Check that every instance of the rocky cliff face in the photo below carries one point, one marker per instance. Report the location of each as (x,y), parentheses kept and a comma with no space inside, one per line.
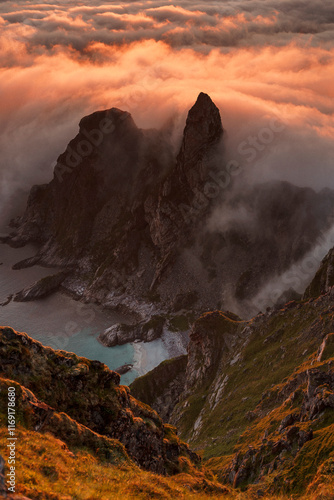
(324,278)
(258,396)
(81,402)
(162,386)
(293,424)
(169,231)
(132,222)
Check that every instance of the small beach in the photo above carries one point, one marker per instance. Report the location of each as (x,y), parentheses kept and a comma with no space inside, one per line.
(61,322)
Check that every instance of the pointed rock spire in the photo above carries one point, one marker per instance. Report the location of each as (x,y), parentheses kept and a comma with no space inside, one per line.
(202,131)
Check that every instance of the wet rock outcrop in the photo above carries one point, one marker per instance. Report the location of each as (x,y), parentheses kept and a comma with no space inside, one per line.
(41,288)
(122,333)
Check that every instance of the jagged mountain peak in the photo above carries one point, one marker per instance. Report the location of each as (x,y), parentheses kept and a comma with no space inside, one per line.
(123,202)
(204,105)
(113,114)
(203,129)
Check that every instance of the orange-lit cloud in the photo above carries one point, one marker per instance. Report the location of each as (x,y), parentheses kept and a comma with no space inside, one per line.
(200,24)
(62,61)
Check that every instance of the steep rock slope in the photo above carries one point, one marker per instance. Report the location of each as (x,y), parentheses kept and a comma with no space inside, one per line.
(60,388)
(162,386)
(258,396)
(324,278)
(115,195)
(33,414)
(71,461)
(292,435)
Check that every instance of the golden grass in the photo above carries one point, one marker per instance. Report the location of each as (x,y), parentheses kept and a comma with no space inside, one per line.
(48,470)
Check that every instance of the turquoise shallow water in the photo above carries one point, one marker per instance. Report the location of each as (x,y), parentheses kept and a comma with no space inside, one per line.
(85,344)
(63,323)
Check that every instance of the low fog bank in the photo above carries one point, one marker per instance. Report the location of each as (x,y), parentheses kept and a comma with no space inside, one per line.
(203,25)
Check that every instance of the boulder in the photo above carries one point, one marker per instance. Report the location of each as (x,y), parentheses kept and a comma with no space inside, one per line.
(41,288)
(122,333)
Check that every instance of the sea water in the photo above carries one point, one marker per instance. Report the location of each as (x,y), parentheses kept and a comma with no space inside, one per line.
(61,322)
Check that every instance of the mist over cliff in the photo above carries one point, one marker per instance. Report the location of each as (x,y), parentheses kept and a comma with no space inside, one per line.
(135,215)
(257,61)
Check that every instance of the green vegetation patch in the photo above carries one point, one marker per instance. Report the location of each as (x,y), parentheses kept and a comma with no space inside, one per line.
(311,456)
(150,386)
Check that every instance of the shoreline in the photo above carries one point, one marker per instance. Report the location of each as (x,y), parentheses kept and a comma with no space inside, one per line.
(83,314)
(139,359)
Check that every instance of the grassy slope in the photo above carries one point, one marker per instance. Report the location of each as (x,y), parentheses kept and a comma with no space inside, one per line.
(299,470)
(90,394)
(68,461)
(277,346)
(47,469)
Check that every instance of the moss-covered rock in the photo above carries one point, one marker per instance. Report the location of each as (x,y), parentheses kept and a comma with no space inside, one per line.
(161,387)
(89,393)
(33,414)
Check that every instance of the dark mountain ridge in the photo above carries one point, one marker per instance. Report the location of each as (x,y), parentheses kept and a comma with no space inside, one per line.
(131,222)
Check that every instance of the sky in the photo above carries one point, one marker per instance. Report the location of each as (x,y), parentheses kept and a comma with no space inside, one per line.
(259,61)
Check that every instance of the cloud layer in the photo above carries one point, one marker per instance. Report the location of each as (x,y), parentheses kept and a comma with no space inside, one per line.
(60,61)
(201,25)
